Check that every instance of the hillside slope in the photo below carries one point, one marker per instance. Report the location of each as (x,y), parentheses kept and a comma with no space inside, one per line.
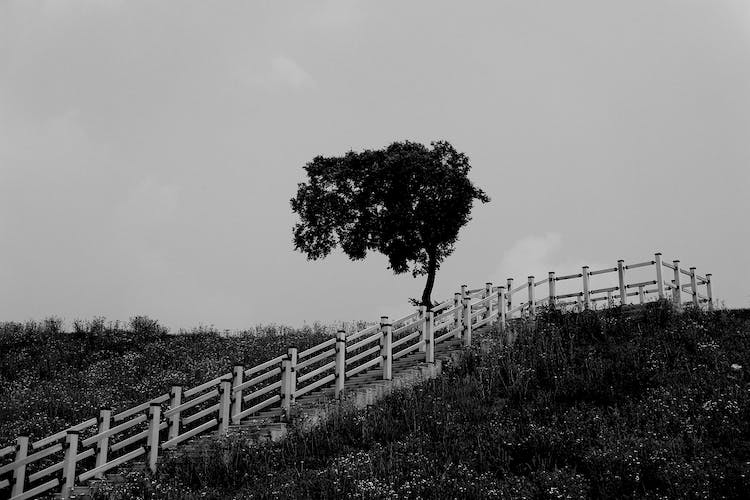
(602,404)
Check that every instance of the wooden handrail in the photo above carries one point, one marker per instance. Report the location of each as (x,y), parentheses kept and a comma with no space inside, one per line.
(317,371)
(265,365)
(362,333)
(260,392)
(568,277)
(640,264)
(603,271)
(361,355)
(406,339)
(258,379)
(193,402)
(206,385)
(403,328)
(316,348)
(60,435)
(114,430)
(315,359)
(141,407)
(362,343)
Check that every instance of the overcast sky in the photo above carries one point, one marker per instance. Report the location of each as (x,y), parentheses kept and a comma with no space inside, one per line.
(148,150)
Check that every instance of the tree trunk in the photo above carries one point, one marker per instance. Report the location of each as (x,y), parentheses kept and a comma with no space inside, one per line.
(431,269)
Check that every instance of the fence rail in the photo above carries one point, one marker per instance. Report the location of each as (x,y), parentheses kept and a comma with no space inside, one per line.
(91,448)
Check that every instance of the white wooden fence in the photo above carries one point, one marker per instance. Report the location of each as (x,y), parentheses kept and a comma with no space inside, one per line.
(95,446)
(588,297)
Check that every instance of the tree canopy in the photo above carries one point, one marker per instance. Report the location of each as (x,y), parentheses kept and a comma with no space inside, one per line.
(406,201)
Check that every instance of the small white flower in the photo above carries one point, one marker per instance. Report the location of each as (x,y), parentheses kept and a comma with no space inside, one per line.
(736,367)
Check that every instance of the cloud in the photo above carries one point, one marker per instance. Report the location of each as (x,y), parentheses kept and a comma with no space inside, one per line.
(283,72)
(57,8)
(150,204)
(41,144)
(145,223)
(337,14)
(537,255)
(532,255)
(53,162)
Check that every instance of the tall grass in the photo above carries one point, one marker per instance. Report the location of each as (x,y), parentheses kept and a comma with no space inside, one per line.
(601,404)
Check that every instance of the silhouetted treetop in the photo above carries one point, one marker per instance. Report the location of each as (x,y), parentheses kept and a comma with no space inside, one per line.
(406,201)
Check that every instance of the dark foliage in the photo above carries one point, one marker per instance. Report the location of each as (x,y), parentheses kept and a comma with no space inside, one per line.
(406,201)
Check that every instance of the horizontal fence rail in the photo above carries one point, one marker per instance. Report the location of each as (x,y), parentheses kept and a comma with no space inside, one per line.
(94,447)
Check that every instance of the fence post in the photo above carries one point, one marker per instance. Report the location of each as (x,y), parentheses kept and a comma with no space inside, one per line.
(579,302)
(586,295)
(659,278)
(386,341)
(225,407)
(641,295)
(502,305)
(677,290)
(422,318)
(288,381)
(429,337)
(19,473)
(238,374)
(69,464)
(508,293)
(610,300)
(102,446)
(488,304)
(152,443)
(457,313)
(341,362)
(621,280)
(175,400)
(694,287)
(532,306)
(709,294)
(551,282)
(466,322)
(464,294)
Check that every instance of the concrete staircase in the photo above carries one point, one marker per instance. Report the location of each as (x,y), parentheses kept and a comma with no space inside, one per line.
(362,389)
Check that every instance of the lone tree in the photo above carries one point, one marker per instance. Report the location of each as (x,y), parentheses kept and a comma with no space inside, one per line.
(406,201)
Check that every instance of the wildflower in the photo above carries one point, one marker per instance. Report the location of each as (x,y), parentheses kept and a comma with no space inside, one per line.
(736,367)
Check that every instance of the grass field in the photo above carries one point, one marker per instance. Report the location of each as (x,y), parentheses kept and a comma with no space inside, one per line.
(596,405)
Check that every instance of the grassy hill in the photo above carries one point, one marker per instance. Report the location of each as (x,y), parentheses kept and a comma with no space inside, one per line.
(602,404)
